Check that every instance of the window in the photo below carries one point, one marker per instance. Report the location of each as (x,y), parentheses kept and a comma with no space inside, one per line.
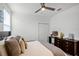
(6,22)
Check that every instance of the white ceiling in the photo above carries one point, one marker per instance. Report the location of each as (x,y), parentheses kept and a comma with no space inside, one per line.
(30,8)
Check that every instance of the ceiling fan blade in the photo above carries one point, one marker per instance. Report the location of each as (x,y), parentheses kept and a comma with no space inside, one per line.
(42,4)
(37,10)
(59,9)
(49,8)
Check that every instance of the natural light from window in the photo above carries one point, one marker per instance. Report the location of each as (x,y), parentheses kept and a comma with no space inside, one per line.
(6,26)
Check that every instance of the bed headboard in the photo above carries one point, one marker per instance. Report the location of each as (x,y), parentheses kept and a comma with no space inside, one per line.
(4,34)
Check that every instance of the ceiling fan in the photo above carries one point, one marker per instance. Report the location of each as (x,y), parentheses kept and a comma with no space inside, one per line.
(43,7)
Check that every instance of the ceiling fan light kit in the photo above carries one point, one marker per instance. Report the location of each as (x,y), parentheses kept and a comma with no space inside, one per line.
(43,9)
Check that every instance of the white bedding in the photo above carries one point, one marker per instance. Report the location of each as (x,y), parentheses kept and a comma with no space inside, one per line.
(35,48)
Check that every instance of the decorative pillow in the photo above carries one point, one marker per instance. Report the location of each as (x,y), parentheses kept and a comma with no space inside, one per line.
(18,39)
(9,37)
(0,53)
(3,51)
(22,45)
(25,43)
(12,47)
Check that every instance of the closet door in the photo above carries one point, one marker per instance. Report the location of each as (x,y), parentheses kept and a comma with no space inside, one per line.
(43,32)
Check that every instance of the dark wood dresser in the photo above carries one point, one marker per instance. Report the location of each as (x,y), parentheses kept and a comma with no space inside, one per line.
(77,48)
(69,46)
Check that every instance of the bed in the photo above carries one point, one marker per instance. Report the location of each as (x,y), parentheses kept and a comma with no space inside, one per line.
(35,48)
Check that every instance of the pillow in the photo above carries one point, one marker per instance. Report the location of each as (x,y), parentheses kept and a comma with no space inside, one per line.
(3,51)
(25,43)
(10,37)
(12,47)
(18,38)
(22,45)
(0,53)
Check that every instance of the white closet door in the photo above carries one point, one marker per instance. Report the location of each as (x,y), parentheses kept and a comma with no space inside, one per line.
(43,31)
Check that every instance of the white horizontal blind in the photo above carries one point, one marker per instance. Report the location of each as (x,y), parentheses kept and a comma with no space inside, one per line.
(6,26)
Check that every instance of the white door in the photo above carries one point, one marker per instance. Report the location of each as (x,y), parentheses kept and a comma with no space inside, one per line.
(43,32)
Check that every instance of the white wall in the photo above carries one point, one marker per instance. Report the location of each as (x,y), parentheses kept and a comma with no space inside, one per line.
(26,25)
(66,21)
